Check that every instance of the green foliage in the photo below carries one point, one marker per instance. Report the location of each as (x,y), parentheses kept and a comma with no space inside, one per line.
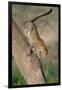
(17,78)
(51,73)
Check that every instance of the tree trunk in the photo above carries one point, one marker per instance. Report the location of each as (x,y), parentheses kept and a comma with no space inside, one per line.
(28,65)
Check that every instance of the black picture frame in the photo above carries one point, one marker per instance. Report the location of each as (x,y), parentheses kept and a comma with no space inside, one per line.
(10,43)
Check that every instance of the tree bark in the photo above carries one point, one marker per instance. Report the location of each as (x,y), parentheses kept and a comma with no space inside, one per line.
(28,65)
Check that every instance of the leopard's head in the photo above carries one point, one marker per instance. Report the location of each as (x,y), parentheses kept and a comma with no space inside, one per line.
(41,52)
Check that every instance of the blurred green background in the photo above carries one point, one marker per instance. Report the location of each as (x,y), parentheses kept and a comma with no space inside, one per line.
(48,30)
(17,77)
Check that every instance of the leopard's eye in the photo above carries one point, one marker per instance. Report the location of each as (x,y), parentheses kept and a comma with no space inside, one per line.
(35,49)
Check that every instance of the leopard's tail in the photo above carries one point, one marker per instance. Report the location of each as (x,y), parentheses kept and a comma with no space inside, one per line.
(41,15)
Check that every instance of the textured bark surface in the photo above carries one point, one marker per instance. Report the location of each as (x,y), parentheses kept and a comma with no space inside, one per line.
(29,66)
